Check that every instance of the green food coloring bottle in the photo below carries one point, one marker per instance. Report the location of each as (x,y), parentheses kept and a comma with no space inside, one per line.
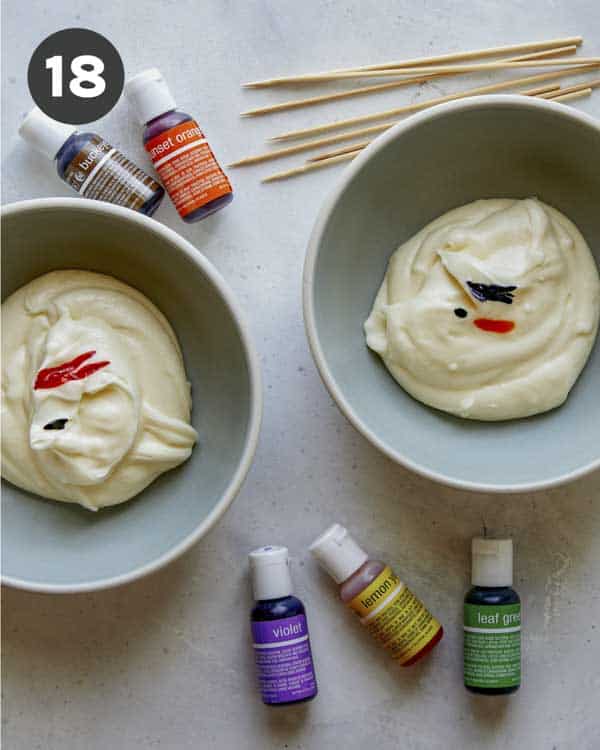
(492,621)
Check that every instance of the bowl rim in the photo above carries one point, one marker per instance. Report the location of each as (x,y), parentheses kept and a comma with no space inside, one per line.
(349,173)
(255,378)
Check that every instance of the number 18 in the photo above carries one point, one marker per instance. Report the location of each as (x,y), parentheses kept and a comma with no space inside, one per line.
(85,69)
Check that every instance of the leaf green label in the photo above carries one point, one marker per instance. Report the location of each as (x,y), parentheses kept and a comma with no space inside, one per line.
(492,617)
(492,645)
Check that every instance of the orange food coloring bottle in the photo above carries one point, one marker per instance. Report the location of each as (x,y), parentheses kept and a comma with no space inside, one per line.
(179,151)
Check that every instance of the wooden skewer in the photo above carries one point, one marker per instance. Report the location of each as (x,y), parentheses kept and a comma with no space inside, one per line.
(373,129)
(349,152)
(541,92)
(338,152)
(296,103)
(593,84)
(334,157)
(311,100)
(550,88)
(572,96)
(300,147)
(325,160)
(309,167)
(416,106)
(464,68)
(446,58)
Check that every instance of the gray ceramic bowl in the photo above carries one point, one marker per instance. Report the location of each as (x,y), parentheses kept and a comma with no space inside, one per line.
(496,146)
(57,547)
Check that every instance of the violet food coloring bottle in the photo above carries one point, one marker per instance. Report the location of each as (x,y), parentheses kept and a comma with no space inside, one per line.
(280,637)
(179,151)
(90,165)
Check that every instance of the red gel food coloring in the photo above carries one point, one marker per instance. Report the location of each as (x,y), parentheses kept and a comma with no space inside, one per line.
(494,326)
(53,377)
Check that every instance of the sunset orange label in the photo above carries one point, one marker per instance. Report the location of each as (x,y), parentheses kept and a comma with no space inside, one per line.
(187,167)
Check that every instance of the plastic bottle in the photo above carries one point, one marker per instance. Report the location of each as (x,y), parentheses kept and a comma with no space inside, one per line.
(90,165)
(279,632)
(492,621)
(179,151)
(390,611)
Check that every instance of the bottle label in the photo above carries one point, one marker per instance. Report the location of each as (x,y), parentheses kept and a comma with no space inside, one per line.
(187,167)
(283,659)
(102,173)
(492,649)
(394,616)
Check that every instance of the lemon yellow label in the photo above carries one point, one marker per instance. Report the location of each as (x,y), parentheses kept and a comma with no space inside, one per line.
(394,616)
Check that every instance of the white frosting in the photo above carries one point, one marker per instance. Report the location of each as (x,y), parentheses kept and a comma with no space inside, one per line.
(127,422)
(452,364)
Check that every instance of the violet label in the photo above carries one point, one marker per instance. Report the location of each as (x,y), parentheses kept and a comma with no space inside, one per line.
(283,659)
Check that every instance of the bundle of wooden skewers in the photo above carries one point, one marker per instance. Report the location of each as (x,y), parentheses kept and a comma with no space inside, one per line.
(553,54)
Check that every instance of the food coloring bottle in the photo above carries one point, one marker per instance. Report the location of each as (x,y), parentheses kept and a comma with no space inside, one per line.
(492,628)
(90,165)
(179,151)
(279,632)
(386,606)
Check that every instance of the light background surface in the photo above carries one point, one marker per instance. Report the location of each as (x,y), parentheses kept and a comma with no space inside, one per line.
(167,662)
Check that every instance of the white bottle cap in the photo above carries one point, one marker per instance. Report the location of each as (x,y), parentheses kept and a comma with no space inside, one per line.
(270,570)
(338,553)
(149,95)
(44,133)
(492,562)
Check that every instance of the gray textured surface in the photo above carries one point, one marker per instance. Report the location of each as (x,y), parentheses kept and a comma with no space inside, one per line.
(166,662)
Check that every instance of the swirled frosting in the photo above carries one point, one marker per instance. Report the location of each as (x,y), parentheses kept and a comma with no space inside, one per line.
(95,399)
(490,312)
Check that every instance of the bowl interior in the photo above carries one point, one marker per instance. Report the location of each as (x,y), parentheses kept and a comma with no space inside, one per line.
(440,160)
(45,543)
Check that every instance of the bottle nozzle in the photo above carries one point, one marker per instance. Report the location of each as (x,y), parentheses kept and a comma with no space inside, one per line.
(338,553)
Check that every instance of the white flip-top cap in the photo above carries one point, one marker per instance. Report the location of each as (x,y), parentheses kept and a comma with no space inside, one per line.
(44,133)
(270,570)
(149,95)
(338,553)
(492,562)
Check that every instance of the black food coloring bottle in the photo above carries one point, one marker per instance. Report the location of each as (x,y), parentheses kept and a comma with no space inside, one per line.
(492,621)
(90,165)
(282,652)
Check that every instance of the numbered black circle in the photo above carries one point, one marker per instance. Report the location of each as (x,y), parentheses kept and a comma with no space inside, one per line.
(76,76)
